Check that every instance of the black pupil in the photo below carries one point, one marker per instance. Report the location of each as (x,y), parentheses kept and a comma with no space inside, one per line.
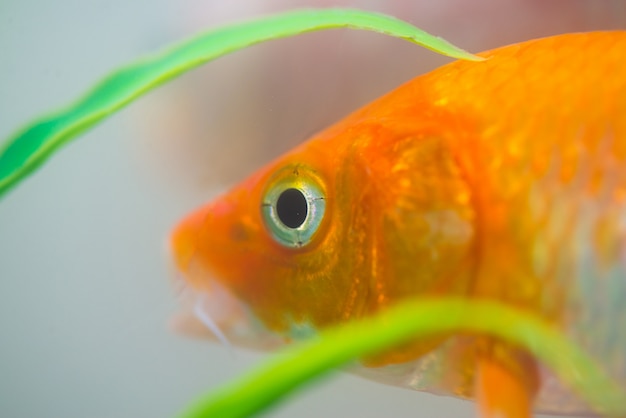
(291,208)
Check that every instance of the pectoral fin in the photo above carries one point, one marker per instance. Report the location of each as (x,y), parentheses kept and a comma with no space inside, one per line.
(506,385)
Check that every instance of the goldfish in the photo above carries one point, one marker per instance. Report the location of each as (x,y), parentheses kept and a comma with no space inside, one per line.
(502,180)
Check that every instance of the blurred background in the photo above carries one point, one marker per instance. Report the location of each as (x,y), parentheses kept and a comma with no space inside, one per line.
(85,279)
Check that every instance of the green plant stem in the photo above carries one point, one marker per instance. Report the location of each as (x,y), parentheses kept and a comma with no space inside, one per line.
(34,144)
(414,319)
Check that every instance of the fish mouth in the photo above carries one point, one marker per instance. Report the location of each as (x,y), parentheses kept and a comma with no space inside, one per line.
(212,312)
(209,309)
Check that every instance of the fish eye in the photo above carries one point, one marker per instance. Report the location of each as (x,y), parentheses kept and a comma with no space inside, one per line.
(293,209)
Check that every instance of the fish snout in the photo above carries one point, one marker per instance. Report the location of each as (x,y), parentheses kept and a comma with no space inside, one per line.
(185,239)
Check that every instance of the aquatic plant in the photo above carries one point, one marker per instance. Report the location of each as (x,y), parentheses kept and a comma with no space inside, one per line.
(32,145)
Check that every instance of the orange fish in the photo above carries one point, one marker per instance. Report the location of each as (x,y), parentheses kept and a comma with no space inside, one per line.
(503,179)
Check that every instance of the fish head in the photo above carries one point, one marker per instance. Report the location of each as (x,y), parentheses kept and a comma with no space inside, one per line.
(372,210)
(266,252)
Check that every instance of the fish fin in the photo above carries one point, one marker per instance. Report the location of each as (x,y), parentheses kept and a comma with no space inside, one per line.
(204,315)
(506,389)
(188,324)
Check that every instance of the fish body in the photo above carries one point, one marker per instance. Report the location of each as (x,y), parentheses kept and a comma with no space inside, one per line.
(503,179)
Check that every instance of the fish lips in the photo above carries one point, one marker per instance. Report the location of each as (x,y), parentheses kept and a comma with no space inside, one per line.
(209,310)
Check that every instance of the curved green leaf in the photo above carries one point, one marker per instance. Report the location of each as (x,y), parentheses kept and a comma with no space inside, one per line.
(418,318)
(30,147)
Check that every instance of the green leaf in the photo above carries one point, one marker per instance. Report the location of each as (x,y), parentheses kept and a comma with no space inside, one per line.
(34,144)
(417,318)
